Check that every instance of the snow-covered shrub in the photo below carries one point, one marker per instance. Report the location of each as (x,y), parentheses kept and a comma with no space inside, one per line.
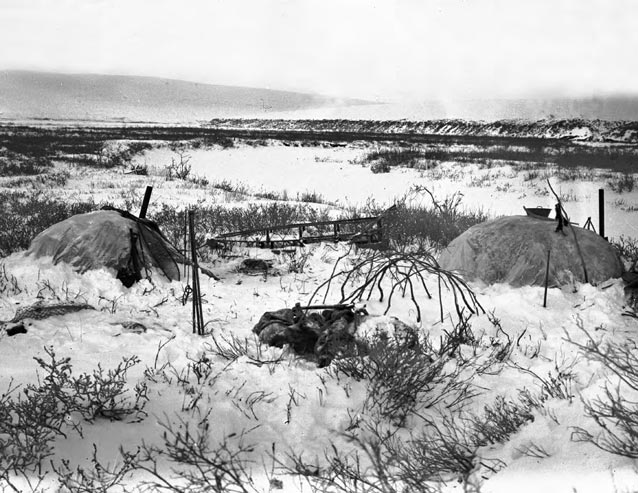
(9,284)
(397,273)
(616,410)
(382,160)
(461,334)
(27,214)
(216,219)
(196,463)
(441,451)
(443,447)
(624,182)
(501,419)
(400,374)
(232,347)
(627,248)
(380,167)
(558,384)
(16,164)
(101,394)
(117,153)
(179,168)
(311,197)
(404,375)
(413,224)
(40,413)
(99,477)
(28,425)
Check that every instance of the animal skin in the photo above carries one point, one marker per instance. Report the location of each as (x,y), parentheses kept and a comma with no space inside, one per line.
(40,311)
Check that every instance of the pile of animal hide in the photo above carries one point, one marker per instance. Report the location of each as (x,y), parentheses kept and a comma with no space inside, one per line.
(323,331)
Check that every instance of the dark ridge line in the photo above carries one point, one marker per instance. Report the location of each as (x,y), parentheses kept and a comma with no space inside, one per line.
(171,133)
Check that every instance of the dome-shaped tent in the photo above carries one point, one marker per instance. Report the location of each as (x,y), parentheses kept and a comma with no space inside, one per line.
(514,249)
(113,239)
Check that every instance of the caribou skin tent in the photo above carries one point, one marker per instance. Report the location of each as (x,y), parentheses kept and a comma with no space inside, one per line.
(110,238)
(513,250)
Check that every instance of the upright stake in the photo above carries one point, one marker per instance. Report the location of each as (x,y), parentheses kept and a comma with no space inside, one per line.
(198,317)
(186,239)
(601,212)
(147,199)
(546,280)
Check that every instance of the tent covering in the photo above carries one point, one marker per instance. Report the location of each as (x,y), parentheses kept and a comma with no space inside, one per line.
(110,238)
(514,250)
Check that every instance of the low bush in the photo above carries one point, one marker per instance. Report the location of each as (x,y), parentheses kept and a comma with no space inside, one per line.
(500,420)
(405,374)
(179,168)
(28,213)
(106,154)
(15,164)
(400,373)
(393,273)
(215,219)
(229,186)
(622,161)
(30,422)
(48,179)
(444,450)
(380,167)
(616,410)
(627,248)
(421,227)
(381,161)
(623,183)
(438,452)
(272,195)
(100,477)
(312,197)
(196,463)
(102,394)
(565,158)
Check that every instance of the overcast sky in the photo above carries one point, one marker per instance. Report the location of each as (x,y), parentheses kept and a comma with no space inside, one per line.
(387,50)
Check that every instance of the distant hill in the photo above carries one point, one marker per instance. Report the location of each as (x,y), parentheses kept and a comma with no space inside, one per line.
(40,95)
(28,95)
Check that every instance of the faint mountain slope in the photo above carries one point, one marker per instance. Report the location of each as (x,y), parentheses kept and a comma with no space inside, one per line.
(26,94)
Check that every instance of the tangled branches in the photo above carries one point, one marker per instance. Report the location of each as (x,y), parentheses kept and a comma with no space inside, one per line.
(401,272)
(616,410)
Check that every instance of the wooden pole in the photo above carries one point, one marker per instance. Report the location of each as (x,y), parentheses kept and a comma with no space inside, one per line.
(198,317)
(564,213)
(185,252)
(147,199)
(546,280)
(601,212)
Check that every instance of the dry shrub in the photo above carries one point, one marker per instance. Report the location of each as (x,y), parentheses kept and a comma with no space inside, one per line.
(615,411)
(32,420)
(399,272)
(26,214)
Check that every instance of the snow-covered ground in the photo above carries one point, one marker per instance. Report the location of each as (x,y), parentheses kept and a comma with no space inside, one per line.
(290,405)
(330,172)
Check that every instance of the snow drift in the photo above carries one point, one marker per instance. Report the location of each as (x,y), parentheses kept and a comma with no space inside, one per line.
(514,250)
